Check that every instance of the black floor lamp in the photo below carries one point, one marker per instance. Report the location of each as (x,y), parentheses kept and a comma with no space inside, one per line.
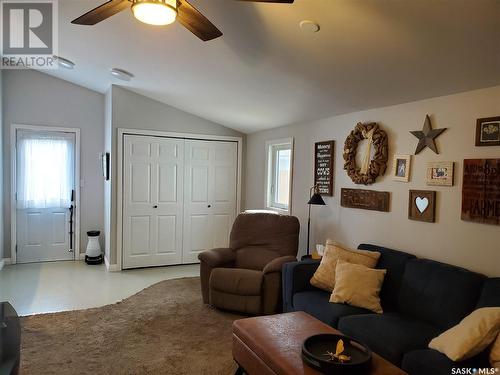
(317,200)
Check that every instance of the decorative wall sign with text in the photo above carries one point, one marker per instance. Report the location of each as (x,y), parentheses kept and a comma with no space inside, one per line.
(422,205)
(481,191)
(323,166)
(365,199)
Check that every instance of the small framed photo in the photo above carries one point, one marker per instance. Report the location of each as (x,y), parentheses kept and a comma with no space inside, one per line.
(488,131)
(401,168)
(422,205)
(440,173)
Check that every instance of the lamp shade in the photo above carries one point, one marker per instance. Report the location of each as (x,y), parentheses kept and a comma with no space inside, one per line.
(316,200)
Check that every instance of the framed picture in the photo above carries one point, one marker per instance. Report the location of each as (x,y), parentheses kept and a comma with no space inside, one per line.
(440,173)
(422,205)
(105,165)
(488,131)
(401,168)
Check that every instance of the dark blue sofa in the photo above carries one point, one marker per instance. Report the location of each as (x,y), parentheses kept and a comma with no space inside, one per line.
(421,298)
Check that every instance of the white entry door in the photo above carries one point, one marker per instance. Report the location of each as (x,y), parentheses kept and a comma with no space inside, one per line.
(210,196)
(45,170)
(153,201)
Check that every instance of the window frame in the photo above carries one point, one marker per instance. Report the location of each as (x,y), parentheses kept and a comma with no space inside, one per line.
(272,149)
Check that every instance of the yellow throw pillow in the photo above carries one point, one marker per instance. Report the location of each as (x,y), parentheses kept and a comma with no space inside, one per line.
(324,277)
(495,353)
(358,285)
(471,336)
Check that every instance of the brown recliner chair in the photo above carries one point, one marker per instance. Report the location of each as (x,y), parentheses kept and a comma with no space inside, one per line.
(246,277)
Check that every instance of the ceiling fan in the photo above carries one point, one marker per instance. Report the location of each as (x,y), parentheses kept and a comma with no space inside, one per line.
(161,12)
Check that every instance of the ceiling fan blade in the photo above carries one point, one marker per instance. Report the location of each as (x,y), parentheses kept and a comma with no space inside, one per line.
(270,1)
(196,22)
(102,12)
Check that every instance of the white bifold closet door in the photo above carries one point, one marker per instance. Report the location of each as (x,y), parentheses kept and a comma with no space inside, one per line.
(179,198)
(210,196)
(152,201)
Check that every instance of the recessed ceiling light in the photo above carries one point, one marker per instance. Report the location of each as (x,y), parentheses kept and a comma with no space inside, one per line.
(121,74)
(309,26)
(65,63)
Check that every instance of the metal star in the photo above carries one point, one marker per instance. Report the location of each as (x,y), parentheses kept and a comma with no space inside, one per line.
(426,136)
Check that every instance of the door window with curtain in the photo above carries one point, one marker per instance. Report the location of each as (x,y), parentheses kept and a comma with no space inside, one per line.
(45,169)
(45,179)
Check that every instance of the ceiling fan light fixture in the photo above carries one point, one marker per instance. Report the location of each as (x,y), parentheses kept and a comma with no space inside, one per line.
(155,12)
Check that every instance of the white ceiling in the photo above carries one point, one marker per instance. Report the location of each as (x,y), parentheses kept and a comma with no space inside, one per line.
(265,72)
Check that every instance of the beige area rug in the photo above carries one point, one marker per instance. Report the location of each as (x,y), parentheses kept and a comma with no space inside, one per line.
(164,329)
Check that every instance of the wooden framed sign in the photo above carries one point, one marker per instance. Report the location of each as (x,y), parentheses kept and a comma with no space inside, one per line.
(323,166)
(481,191)
(365,199)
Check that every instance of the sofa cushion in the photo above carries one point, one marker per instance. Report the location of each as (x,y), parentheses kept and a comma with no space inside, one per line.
(472,335)
(390,335)
(394,262)
(358,286)
(236,281)
(428,361)
(316,304)
(438,293)
(324,277)
(226,301)
(490,294)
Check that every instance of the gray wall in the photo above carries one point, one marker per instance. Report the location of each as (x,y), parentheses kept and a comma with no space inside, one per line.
(470,245)
(134,111)
(107,184)
(2,251)
(34,98)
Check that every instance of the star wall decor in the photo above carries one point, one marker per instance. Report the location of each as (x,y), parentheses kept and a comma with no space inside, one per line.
(426,136)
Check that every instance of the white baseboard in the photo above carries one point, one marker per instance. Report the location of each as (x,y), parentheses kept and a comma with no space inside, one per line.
(111,267)
(5,262)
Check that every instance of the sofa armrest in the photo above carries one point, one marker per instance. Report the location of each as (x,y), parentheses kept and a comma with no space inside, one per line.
(276,264)
(295,278)
(217,257)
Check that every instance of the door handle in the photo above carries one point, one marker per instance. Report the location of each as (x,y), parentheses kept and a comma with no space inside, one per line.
(155,206)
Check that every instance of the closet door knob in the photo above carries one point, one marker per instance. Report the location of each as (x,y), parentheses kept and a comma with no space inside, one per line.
(209,206)
(155,206)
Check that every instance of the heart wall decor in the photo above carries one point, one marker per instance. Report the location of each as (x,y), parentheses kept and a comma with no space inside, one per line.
(422,205)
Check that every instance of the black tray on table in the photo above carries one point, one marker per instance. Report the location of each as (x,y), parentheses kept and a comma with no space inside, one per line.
(314,354)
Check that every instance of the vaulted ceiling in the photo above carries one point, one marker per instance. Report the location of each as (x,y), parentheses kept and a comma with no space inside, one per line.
(266,72)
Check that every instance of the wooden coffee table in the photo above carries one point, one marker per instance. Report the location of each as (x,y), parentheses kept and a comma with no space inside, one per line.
(270,345)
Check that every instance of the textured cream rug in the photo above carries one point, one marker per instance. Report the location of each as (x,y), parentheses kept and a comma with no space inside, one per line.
(164,329)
